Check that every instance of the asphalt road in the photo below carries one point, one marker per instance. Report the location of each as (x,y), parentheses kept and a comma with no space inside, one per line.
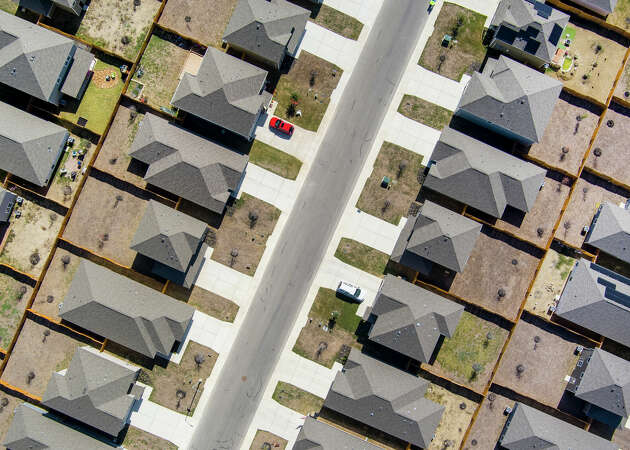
(310,226)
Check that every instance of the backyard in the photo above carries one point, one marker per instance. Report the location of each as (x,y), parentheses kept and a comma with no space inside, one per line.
(455,420)
(402,167)
(99,100)
(63,187)
(456,59)
(425,112)
(9,6)
(205,301)
(14,297)
(242,238)
(263,440)
(137,439)
(489,423)
(549,283)
(297,399)
(9,403)
(362,256)
(338,22)
(622,91)
(274,160)
(306,88)
(619,16)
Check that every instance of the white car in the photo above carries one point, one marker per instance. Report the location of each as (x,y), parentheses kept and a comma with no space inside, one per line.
(350,291)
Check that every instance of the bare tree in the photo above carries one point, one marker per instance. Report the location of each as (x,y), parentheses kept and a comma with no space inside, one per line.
(477,368)
(119,198)
(253,218)
(199,360)
(65,260)
(180,395)
(34,258)
(520,369)
(500,294)
(536,341)
(233,255)
(402,165)
(50,299)
(30,376)
(320,349)
(21,292)
(67,191)
(46,334)
(385,207)
(540,231)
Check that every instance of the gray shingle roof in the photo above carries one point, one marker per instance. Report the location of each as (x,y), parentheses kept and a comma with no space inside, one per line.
(31,57)
(187,165)
(610,231)
(597,299)
(29,146)
(226,91)
(94,390)
(482,176)
(410,319)
(266,28)
(46,7)
(511,96)
(125,311)
(528,428)
(7,200)
(81,64)
(385,398)
(32,428)
(317,435)
(604,7)
(437,235)
(521,25)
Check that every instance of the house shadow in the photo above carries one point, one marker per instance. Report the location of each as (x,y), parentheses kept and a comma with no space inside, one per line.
(64,21)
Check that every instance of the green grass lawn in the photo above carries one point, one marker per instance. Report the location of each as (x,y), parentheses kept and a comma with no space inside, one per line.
(8,6)
(338,22)
(362,256)
(297,399)
(424,112)
(327,301)
(274,160)
(564,265)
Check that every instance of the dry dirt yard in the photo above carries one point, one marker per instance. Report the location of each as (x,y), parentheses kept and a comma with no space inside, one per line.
(136,439)
(489,423)
(571,127)
(263,438)
(455,420)
(8,403)
(622,91)
(14,297)
(550,281)
(205,301)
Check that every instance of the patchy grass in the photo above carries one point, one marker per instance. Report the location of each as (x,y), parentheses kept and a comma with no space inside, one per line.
(402,166)
(205,301)
(137,439)
(6,413)
(463,57)
(327,301)
(56,283)
(14,297)
(296,399)
(62,188)
(455,420)
(311,93)
(489,422)
(274,160)
(8,6)
(424,112)
(338,22)
(549,282)
(621,15)
(362,256)
(264,438)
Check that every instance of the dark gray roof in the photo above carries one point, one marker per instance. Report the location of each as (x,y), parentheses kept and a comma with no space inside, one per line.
(32,428)
(610,231)
(530,26)
(31,57)
(601,6)
(511,96)
(482,176)
(597,299)
(385,398)
(81,64)
(94,390)
(437,235)
(410,319)
(226,91)
(125,311)
(528,428)
(606,383)
(46,7)
(7,200)
(317,435)
(267,28)
(199,170)
(29,146)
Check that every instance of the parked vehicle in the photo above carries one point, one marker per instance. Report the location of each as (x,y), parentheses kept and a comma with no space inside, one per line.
(350,291)
(283,127)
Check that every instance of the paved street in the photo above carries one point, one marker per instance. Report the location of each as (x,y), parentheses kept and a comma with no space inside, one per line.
(311,223)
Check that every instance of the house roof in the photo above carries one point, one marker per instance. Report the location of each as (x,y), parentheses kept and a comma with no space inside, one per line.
(410,319)
(438,235)
(180,162)
(605,6)
(168,236)
(606,383)
(512,96)
(29,146)
(482,176)
(7,200)
(94,390)
(385,398)
(31,57)
(530,25)
(81,64)
(610,231)
(528,428)
(597,299)
(125,311)
(317,435)
(226,91)
(33,428)
(267,28)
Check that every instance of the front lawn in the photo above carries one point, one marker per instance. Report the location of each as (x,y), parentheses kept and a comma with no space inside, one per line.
(14,297)
(338,22)
(297,399)
(205,301)
(326,302)
(274,160)
(362,256)
(425,112)
(136,439)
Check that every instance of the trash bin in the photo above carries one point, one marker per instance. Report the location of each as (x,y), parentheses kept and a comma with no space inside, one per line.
(385,182)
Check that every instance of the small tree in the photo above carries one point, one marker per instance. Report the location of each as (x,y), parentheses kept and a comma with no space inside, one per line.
(291,110)
(133,113)
(333,320)
(320,349)
(491,398)
(385,207)
(21,292)
(199,360)
(67,191)
(187,19)
(536,341)
(233,256)
(180,395)
(311,80)
(500,294)
(46,334)
(65,260)
(50,299)
(477,368)
(253,218)
(119,198)
(34,258)
(125,40)
(30,376)
(520,369)
(402,165)
(4,402)
(564,151)
(540,232)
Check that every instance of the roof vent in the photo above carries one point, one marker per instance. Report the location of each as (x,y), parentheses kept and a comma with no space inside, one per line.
(13,70)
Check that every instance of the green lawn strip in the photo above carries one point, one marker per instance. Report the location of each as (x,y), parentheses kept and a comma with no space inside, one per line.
(338,22)
(8,6)
(327,301)
(296,399)
(424,112)
(274,160)
(10,296)
(160,82)
(362,256)
(564,265)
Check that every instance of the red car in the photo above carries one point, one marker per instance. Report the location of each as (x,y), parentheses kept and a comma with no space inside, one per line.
(280,125)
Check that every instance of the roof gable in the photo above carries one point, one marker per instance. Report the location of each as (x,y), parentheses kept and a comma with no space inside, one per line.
(610,231)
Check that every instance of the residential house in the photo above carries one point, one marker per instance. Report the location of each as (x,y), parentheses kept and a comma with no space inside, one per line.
(610,231)
(410,320)
(482,176)
(510,99)
(601,7)
(40,62)
(125,311)
(384,398)
(527,30)
(34,428)
(7,200)
(528,428)
(48,7)
(597,299)
(30,147)
(602,381)
(267,29)
(182,163)
(436,236)
(226,91)
(315,434)
(174,241)
(96,389)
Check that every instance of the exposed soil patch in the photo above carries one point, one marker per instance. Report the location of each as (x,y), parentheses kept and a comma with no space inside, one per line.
(297,399)
(137,439)
(489,422)
(455,419)
(550,281)
(8,403)
(205,301)
(265,438)
(14,297)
